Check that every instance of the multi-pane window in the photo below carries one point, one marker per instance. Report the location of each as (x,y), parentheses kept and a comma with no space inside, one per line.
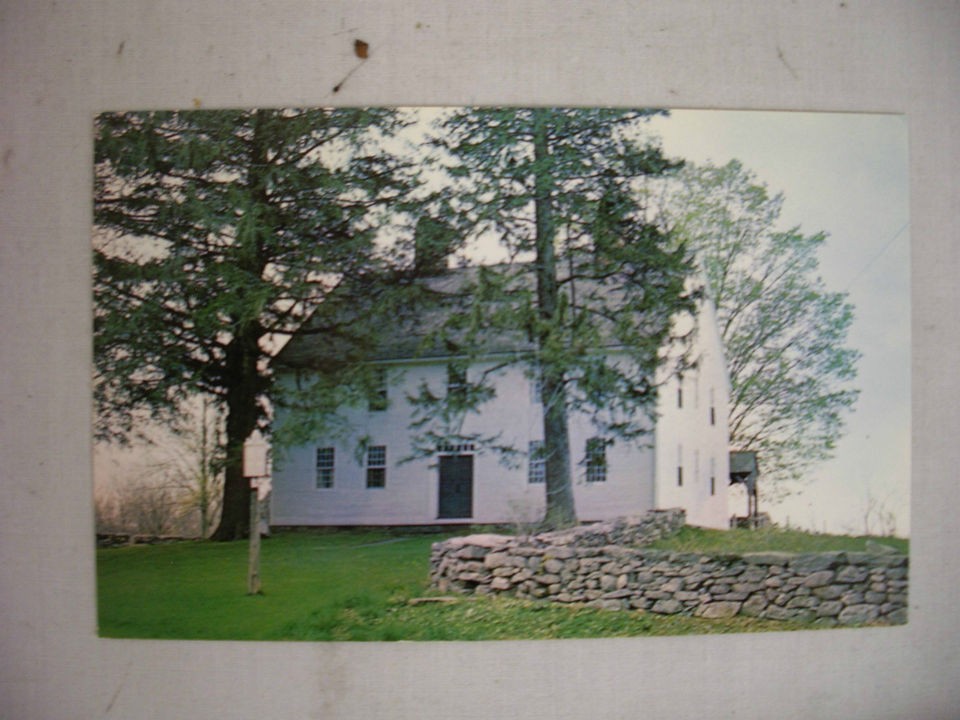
(537,463)
(377,466)
(457,382)
(379,397)
(325,465)
(596,460)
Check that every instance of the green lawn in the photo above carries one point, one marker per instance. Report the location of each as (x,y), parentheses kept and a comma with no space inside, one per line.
(310,581)
(354,585)
(694,539)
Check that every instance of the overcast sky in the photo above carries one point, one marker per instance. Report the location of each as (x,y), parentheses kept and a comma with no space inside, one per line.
(847,175)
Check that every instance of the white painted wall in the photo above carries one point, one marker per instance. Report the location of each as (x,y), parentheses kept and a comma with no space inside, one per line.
(640,476)
(691,438)
(501,493)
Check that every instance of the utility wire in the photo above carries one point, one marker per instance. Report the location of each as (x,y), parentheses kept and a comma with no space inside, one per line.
(877,256)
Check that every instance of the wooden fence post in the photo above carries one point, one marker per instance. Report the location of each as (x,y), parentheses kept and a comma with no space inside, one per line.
(253,574)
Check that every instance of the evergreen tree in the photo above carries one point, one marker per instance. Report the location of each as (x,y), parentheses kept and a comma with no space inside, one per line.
(215,233)
(784,332)
(586,276)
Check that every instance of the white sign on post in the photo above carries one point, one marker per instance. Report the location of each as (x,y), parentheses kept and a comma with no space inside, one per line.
(256,459)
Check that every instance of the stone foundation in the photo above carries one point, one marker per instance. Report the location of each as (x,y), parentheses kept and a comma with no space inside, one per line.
(603,565)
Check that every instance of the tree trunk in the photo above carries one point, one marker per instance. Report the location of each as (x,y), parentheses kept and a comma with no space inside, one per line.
(242,414)
(235,515)
(560,510)
(241,365)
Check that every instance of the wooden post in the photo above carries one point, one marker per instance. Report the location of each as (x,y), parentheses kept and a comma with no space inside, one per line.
(253,574)
(256,468)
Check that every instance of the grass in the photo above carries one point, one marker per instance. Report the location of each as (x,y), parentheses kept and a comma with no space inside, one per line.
(198,590)
(695,539)
(355,585)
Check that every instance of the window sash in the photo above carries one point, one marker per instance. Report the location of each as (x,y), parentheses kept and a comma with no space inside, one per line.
(537,467)
(325,467)
(377,466)
(376,477)
(596,457)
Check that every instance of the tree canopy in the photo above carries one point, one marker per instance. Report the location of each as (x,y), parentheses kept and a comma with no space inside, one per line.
(784,332)
(586,278)
(215,233)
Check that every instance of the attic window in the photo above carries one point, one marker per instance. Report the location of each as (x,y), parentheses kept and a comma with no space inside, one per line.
(596,460)
(377,466)
(379,399)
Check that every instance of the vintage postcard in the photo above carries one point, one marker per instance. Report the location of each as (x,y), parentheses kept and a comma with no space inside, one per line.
(458,373)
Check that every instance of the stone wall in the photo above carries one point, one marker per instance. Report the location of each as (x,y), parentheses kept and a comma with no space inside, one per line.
(603,566)
(110,540)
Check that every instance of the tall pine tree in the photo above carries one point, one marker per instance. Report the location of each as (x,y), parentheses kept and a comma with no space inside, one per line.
(587,280)
(215,233)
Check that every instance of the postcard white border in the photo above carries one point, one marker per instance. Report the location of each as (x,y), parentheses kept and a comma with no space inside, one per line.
(63,62)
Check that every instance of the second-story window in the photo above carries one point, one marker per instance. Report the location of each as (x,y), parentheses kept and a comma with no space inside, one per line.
(596,460)
(536,463)
(379,397)
(457,382)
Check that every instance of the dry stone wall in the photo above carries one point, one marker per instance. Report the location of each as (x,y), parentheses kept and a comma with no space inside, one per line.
(603,565)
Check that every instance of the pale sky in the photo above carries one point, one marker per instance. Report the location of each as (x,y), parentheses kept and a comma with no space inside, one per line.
(847,175)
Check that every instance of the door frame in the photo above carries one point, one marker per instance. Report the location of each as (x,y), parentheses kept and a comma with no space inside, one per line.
(440,484)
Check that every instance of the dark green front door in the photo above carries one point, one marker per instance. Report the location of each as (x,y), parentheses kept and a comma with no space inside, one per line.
(456,486)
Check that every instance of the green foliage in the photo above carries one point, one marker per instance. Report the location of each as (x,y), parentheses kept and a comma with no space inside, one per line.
(214,229)
(586,277)
(215,233)
(784,332)
(337,586)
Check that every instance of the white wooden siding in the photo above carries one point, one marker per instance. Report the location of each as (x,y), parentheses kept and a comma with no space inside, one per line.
(640,476)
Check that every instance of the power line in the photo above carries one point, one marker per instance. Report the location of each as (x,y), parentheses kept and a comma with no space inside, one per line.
(877,256)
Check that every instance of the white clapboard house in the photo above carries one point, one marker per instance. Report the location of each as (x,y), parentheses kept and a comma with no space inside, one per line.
(355,476)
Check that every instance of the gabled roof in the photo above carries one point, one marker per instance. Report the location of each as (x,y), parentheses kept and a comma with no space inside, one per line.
(351,327)
(346,324)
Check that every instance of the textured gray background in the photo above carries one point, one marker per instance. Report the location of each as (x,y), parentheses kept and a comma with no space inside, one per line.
(60,63)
